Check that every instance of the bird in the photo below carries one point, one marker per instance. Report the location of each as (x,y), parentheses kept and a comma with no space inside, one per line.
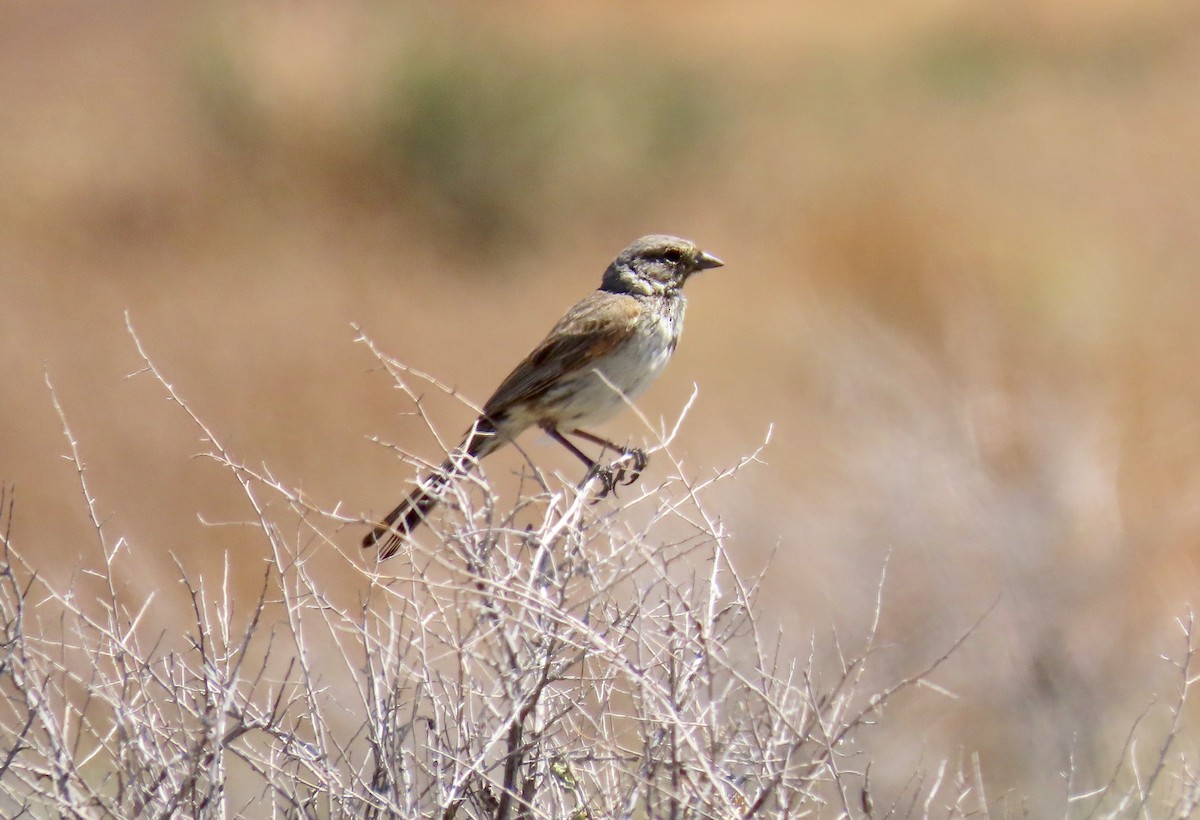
(604,352)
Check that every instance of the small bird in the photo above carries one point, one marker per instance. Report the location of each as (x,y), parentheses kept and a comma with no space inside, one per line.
(604,351)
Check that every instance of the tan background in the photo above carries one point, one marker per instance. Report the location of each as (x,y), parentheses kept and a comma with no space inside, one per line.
(962,284)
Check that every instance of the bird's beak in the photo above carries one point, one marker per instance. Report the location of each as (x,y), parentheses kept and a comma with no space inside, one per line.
(707,260)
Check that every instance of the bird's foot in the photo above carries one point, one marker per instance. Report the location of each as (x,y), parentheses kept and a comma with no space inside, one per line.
(609,480)
(612,477)
(624,476)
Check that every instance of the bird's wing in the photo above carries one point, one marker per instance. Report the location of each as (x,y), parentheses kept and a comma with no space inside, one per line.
(592,328)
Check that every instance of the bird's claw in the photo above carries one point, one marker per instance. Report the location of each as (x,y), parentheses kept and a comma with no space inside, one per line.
(611,478)
(624,476)
(608,480)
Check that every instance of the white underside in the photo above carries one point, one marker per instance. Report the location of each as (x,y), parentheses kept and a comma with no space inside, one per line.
(616,378)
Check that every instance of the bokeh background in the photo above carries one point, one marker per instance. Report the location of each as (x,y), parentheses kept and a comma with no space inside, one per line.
(962,284)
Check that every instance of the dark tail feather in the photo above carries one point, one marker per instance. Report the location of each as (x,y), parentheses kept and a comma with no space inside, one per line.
(400,522)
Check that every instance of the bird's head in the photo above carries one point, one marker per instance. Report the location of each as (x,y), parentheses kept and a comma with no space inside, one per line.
(656,264)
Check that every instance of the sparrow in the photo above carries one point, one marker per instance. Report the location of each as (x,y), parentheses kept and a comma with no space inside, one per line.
(604,352)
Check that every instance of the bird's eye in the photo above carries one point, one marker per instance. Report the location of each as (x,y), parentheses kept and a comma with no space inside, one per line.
(673,256)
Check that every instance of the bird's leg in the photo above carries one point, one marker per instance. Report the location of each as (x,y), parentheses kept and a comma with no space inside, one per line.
(608,482)
(635,454)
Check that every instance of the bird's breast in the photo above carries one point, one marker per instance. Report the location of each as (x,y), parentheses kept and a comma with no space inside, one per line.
(626,370)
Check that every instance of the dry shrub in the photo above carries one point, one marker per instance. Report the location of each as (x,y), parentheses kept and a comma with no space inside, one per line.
(596,662)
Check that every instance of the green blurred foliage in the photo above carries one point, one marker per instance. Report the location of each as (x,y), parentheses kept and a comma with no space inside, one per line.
(967,64)
(224,95)
(490,136)
(973,63)
(487,140)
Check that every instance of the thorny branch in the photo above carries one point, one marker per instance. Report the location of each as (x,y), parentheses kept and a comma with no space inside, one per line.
(530,658)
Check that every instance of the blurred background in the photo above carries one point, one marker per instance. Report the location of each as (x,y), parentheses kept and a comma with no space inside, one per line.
(961,282)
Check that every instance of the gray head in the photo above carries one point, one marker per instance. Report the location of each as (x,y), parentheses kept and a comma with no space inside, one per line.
(656,264)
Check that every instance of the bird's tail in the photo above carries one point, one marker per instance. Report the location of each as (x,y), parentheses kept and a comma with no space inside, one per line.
(400,522)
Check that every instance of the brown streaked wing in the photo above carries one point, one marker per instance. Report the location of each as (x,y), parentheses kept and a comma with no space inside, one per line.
(593,327)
